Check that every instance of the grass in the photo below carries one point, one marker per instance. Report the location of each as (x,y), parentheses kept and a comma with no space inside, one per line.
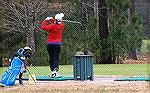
(107,69)
(121,69)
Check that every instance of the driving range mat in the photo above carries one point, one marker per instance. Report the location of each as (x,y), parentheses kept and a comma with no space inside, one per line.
(133,79)
(48,78)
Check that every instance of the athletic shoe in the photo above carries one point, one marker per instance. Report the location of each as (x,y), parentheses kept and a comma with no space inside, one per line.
(55,74)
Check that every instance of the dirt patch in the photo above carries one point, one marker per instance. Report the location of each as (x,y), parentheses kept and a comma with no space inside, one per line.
(142,58)
(129,61)
(99,85)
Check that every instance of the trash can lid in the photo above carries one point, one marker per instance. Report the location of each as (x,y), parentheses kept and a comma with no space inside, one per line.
(82,55)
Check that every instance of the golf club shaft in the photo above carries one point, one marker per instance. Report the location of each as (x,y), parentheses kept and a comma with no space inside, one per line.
(72,22)
(31,75)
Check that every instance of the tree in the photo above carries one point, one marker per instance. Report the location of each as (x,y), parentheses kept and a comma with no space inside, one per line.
(112,46)
(132,54)
(124,38)
(21,23)
(106,57)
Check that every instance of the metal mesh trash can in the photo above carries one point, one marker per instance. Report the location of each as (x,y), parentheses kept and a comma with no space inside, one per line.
(83,67)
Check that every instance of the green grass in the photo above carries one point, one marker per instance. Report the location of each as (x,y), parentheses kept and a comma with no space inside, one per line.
(122,69)
(108,69)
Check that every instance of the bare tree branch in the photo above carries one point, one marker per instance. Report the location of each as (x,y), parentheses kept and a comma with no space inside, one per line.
(11,29)
(10,17)
(39,8)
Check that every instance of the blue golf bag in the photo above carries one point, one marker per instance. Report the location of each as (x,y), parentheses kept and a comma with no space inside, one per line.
(9,76)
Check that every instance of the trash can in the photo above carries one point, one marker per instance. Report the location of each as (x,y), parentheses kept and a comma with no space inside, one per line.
(83,67)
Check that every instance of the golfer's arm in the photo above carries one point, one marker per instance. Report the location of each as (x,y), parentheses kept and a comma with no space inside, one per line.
(46,27)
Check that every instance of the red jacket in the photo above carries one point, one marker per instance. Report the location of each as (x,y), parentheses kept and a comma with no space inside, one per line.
(54,31)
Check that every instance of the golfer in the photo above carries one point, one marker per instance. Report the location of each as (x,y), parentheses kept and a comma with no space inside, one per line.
(54,41)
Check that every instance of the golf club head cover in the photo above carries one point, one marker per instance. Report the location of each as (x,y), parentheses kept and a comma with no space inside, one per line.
(27,52)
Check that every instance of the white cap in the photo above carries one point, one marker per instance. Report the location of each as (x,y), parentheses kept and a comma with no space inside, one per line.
(27,48)
(59,16)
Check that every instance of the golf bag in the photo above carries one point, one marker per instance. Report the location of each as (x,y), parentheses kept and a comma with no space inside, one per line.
(9,76)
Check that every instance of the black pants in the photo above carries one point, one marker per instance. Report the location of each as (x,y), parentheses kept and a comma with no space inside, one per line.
(53,51)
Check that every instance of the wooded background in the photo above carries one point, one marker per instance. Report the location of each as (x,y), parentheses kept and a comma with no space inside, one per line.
(111,30)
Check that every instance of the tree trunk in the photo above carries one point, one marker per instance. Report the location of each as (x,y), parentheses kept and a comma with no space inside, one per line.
(30,30)
(106,57)
(132,54)
(84,21)
(95,8)
(103,19)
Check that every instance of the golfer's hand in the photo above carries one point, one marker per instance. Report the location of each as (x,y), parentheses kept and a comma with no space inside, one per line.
(48,18)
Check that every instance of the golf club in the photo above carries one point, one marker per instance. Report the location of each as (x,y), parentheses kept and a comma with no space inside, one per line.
(72,22)
(30,73)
